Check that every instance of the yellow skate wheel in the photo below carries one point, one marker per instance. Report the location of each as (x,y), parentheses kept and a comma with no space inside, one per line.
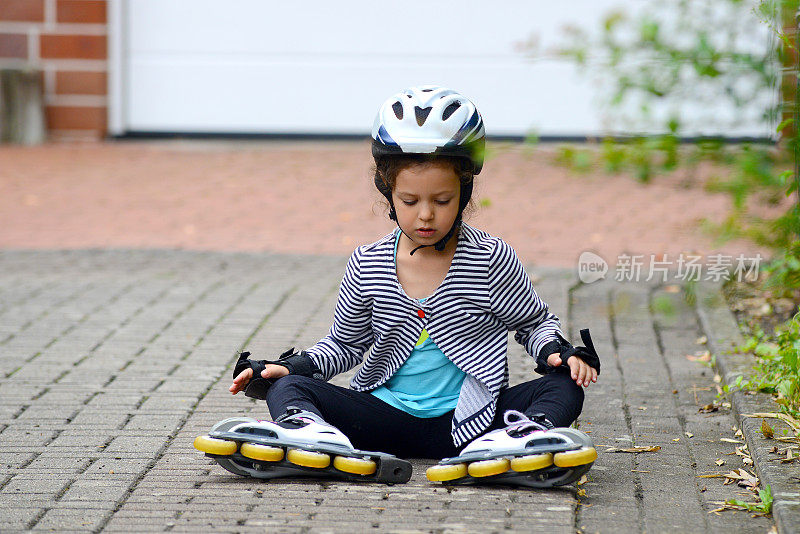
(487,468)
(261,452)
(582,456)
(318,460)
(220,447)
(356,466)
(532,462)
(443,473)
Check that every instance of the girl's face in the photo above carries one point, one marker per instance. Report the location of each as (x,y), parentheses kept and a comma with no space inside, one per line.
(426,199)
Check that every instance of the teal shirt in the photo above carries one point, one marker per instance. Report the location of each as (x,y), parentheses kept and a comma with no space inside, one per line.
(428,383)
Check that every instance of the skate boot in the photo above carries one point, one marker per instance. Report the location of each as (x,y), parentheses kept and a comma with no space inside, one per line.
(525,453)
(299,443)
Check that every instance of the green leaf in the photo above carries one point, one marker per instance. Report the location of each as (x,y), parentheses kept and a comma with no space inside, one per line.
(784,124)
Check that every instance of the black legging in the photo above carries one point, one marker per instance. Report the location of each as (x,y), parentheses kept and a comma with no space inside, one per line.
(373,425)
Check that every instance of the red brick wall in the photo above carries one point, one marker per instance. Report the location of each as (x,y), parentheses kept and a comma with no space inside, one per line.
(66,40)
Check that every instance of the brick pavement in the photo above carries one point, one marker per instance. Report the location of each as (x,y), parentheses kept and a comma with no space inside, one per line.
(317,198)
(111,362)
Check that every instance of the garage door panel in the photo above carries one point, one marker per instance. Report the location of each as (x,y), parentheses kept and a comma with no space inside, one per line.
(289,95)
(257,66)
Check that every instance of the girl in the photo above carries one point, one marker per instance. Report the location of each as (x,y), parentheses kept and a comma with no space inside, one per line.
(434,299)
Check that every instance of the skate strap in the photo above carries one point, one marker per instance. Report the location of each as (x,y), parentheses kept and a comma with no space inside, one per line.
(520,423)
(588,353)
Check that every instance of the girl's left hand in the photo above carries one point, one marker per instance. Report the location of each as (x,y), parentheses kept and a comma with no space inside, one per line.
(582,374)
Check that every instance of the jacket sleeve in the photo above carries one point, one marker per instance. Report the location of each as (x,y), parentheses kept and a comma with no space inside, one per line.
(351,333)
(516,304)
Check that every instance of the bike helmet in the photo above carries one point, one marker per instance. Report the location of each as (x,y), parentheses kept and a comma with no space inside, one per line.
(429,120)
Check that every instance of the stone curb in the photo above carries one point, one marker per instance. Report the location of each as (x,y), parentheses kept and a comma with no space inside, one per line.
(723,334)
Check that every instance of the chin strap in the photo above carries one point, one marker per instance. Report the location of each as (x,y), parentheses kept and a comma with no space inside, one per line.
(464,196)
(439,245)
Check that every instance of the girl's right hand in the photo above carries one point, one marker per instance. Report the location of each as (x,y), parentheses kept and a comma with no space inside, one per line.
(271,371)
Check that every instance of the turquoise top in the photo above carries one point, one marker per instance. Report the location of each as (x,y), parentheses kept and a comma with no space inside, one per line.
(428,383)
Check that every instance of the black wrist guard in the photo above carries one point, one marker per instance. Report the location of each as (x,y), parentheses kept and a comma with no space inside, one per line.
(297,364)
(588,354)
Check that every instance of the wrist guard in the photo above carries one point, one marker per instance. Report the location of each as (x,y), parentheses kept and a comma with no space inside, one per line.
(297,364)
(588,354)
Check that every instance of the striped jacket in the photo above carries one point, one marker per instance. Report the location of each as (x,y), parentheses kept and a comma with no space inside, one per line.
(485,294)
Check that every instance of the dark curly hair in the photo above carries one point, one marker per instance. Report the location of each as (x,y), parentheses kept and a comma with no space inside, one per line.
(387,168)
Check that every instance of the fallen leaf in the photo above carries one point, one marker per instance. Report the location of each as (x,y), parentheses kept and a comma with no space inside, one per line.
(708,408)
(676,439)
(717,379)
(729,440)
(749,483)
(581,492)
(672,289)
(702,340)
(653,448)
(689,434)
(643,408)
(720,462)
(701,356)
(584,479)
(788,419)
(766,429)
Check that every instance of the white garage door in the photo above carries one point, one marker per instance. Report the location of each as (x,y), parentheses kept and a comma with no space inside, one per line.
(256,66)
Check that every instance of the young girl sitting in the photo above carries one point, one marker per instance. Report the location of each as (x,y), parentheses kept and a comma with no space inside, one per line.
(434,300)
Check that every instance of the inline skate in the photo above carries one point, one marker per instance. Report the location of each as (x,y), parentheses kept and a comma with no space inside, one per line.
(299,443)
(525,453)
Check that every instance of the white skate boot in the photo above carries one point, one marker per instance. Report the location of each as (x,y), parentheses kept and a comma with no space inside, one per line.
(299,443)
(526,453)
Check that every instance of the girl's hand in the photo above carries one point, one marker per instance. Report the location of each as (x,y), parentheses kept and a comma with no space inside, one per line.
(582,374)
(241,381)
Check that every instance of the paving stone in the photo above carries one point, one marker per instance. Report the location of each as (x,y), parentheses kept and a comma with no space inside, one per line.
(19,518)
(72,519)
(142,344)
(82,490)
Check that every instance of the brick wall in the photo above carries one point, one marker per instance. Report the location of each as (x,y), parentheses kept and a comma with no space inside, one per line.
(66,40)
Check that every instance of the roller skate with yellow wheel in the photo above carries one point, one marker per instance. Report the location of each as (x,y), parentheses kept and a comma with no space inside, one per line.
(528,452)
(299,443)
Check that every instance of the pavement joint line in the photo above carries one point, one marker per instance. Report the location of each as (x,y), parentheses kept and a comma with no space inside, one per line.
(213,287)
(680,417)
(729,365)
(46,312)
(637,478)
(124,323)
(577,508)
(38,291)
(95,310)
(75,324)
(162,450)
(163,329)
(303,326)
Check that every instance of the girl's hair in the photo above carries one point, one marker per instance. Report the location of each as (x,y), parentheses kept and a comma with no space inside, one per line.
(388,167)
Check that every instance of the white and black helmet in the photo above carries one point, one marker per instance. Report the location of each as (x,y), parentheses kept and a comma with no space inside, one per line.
(429,120)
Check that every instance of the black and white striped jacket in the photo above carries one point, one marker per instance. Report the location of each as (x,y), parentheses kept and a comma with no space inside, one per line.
(485,294)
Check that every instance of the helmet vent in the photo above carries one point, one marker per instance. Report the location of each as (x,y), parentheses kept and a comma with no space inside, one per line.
(427,90)
(449,110)
(422,114)
(398,110)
